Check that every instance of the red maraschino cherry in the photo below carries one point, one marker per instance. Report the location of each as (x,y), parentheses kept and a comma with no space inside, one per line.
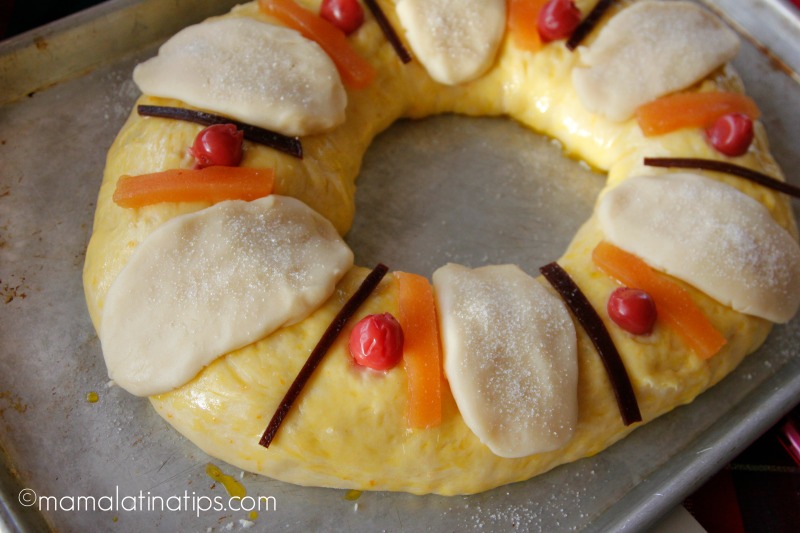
(218,145)
(731,134)
(633,310)
(557,20)
(347,15)
(377,342)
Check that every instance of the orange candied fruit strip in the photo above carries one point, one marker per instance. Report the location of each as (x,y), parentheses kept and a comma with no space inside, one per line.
(674,304)
(691,110)
(421,352)
(210,184)
(355,71)
(522,23)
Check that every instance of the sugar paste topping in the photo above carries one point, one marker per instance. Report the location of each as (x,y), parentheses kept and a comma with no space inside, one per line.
(456,40)
(510,356)
(648,50)
(709,235)
(259,73)
(212,281)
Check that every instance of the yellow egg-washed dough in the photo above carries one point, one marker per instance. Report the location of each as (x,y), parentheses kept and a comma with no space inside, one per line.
(348,428)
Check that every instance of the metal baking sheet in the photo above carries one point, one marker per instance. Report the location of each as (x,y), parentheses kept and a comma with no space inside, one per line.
(473,191)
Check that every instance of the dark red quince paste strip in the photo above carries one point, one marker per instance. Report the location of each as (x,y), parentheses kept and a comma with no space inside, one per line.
(587,25)
(598,334)
(282,143)
(725,167)
(388,30)
(348,310)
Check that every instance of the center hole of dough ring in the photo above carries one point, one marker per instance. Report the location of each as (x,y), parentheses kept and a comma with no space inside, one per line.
(472,191)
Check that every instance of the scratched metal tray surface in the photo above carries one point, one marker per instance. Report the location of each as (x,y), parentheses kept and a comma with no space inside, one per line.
(473,191)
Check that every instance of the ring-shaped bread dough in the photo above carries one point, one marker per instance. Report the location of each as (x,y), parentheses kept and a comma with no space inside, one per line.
(350,431)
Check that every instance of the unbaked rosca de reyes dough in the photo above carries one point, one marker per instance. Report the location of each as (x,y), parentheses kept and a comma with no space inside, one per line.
(210,307)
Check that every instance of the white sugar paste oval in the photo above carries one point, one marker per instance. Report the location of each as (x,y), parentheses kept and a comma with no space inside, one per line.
(510,356)
(207,283)
(709,235)
(455,40)
(648,50)
(258,73)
